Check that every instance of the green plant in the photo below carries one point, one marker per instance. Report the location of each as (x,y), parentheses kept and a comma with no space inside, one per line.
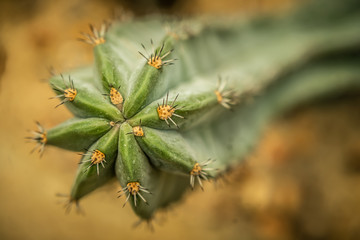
(158,127)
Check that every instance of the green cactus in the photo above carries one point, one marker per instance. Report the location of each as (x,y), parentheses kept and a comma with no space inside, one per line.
(159,128)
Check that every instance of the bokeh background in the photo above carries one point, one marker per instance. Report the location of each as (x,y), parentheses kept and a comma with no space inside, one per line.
(301,182)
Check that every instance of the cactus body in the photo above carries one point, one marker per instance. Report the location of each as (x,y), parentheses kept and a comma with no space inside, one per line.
(156,126)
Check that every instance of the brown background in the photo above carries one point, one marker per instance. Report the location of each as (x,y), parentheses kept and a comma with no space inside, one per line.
(302,181)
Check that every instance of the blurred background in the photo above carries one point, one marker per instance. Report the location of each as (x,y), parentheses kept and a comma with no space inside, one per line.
(301,182)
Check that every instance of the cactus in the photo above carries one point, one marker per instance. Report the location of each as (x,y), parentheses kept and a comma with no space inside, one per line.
(165,108)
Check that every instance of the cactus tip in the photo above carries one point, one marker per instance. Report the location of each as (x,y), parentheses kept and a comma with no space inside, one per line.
(40,137)
(199,172)
(115,96)
(166,111)
(138,131)
(68,94)
(227,98)
(156,59)
(96,36)
(96,157)
(134,189)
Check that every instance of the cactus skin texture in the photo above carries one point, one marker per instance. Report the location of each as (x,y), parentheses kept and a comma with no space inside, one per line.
(159,128)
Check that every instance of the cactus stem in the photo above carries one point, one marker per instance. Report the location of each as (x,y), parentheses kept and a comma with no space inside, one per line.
(96,36)
(97,157)
(166,111)
(199,172)
(40,137)
(69,93)
(134,189)
(155,59)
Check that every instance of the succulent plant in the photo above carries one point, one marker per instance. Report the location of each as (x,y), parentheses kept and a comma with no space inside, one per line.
(172,104)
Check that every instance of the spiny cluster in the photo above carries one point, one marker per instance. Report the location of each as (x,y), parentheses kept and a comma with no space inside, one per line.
(67,94)
(96,37)
(134,189)
(96,157)
(226,98)
(166,111)
(156,60)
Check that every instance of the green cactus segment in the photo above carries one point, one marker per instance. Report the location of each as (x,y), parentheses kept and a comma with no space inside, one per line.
(87,100)
(134,173)
(132,167)
(77,134)
(91,174)
(192,107)
(132,164)
(146,82)
(111,70)
(140,92)
(167,150)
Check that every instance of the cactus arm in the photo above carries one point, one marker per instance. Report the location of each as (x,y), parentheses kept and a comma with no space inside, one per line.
(86,100)
(132,166)
(194,103)
(97,165)
(147,83)
(134,172)
(167,150)
(77,134)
